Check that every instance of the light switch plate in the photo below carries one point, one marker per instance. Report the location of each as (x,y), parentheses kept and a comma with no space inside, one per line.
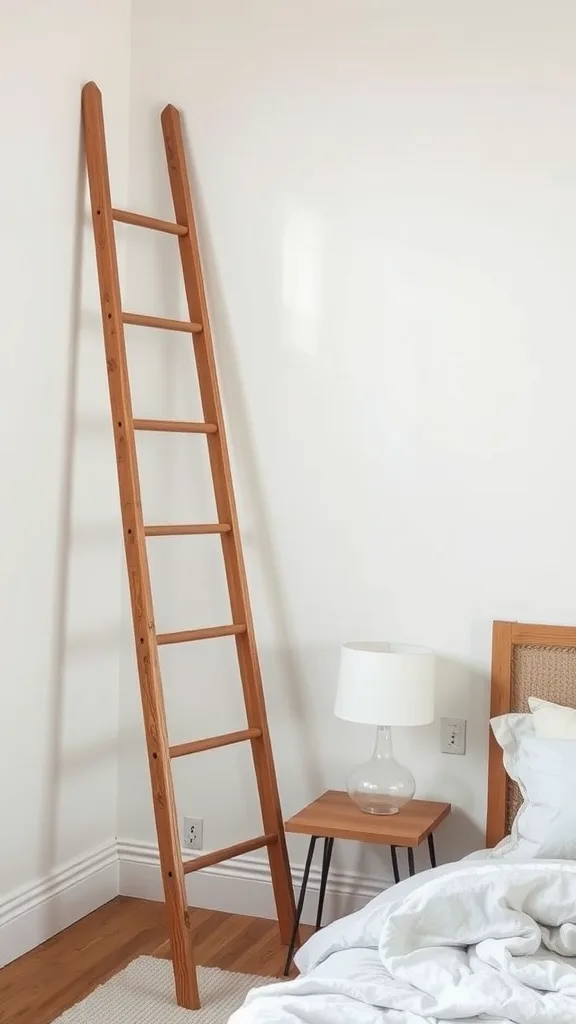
(193,833)
(453,735)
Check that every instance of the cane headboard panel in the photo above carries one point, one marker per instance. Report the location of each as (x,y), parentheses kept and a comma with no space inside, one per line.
(527,661)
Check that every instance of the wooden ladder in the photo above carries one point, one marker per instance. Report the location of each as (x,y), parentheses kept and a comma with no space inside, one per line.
(135,532)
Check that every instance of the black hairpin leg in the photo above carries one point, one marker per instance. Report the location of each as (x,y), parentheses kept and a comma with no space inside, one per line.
(300,904)
(431,850)
(326,858)
(394,863)
(410,852)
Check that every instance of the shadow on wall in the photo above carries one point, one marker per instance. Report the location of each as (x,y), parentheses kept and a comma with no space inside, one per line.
(462,691)
(85,634)
(48,833)
(289,677)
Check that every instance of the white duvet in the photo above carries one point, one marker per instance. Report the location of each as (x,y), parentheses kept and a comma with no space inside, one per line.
(473,940)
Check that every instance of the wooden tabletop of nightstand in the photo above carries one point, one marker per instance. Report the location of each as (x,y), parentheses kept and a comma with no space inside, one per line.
(334,815)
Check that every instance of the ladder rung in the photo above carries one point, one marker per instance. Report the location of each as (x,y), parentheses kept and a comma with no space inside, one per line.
(140,320)
(199,634)
(228,853)
(176,426)
(179,531)
(141,221)
(197,746)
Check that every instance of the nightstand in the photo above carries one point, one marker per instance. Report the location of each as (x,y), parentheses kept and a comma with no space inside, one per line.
(334,816)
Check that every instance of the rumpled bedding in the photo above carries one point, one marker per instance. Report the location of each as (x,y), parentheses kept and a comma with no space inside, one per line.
(460,943)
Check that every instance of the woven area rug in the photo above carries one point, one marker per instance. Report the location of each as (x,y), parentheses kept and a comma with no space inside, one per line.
(144,994)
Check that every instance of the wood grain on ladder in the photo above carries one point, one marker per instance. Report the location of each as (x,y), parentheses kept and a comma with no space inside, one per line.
(135,532)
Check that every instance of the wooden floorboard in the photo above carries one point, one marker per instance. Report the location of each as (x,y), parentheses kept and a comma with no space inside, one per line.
(38,987)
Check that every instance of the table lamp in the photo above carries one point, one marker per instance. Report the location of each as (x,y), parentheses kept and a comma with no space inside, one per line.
(384,684)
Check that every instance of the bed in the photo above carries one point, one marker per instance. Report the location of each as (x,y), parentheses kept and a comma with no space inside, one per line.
(527,660)
(494,935)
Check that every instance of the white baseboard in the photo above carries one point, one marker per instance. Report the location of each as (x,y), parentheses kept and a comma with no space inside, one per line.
(242,885)
(34,913)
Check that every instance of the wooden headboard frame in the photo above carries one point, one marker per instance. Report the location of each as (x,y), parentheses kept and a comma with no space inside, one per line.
(505,638)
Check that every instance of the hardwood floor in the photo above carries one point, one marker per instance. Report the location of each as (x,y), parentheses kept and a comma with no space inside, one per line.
(39,986)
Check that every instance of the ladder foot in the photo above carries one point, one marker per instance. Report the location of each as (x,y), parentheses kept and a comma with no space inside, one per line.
(188,997)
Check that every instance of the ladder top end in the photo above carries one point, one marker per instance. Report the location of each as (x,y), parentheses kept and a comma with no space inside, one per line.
(170,111)
(91,89)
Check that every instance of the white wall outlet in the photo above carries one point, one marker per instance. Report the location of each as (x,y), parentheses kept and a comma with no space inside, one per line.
(193,831)
(453,735)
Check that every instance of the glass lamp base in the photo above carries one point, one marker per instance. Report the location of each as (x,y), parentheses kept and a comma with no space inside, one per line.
(381,785)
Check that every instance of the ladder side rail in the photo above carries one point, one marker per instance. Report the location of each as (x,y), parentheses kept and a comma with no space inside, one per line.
(135,547)
(226,508)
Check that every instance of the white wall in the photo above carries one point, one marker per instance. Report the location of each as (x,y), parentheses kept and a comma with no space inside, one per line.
(59,538)
(387,203)
(386,196)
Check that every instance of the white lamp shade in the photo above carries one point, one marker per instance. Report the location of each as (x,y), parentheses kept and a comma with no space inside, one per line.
(386,684)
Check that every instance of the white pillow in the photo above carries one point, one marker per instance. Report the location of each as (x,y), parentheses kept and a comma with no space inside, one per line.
(553,721)
(545,770)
